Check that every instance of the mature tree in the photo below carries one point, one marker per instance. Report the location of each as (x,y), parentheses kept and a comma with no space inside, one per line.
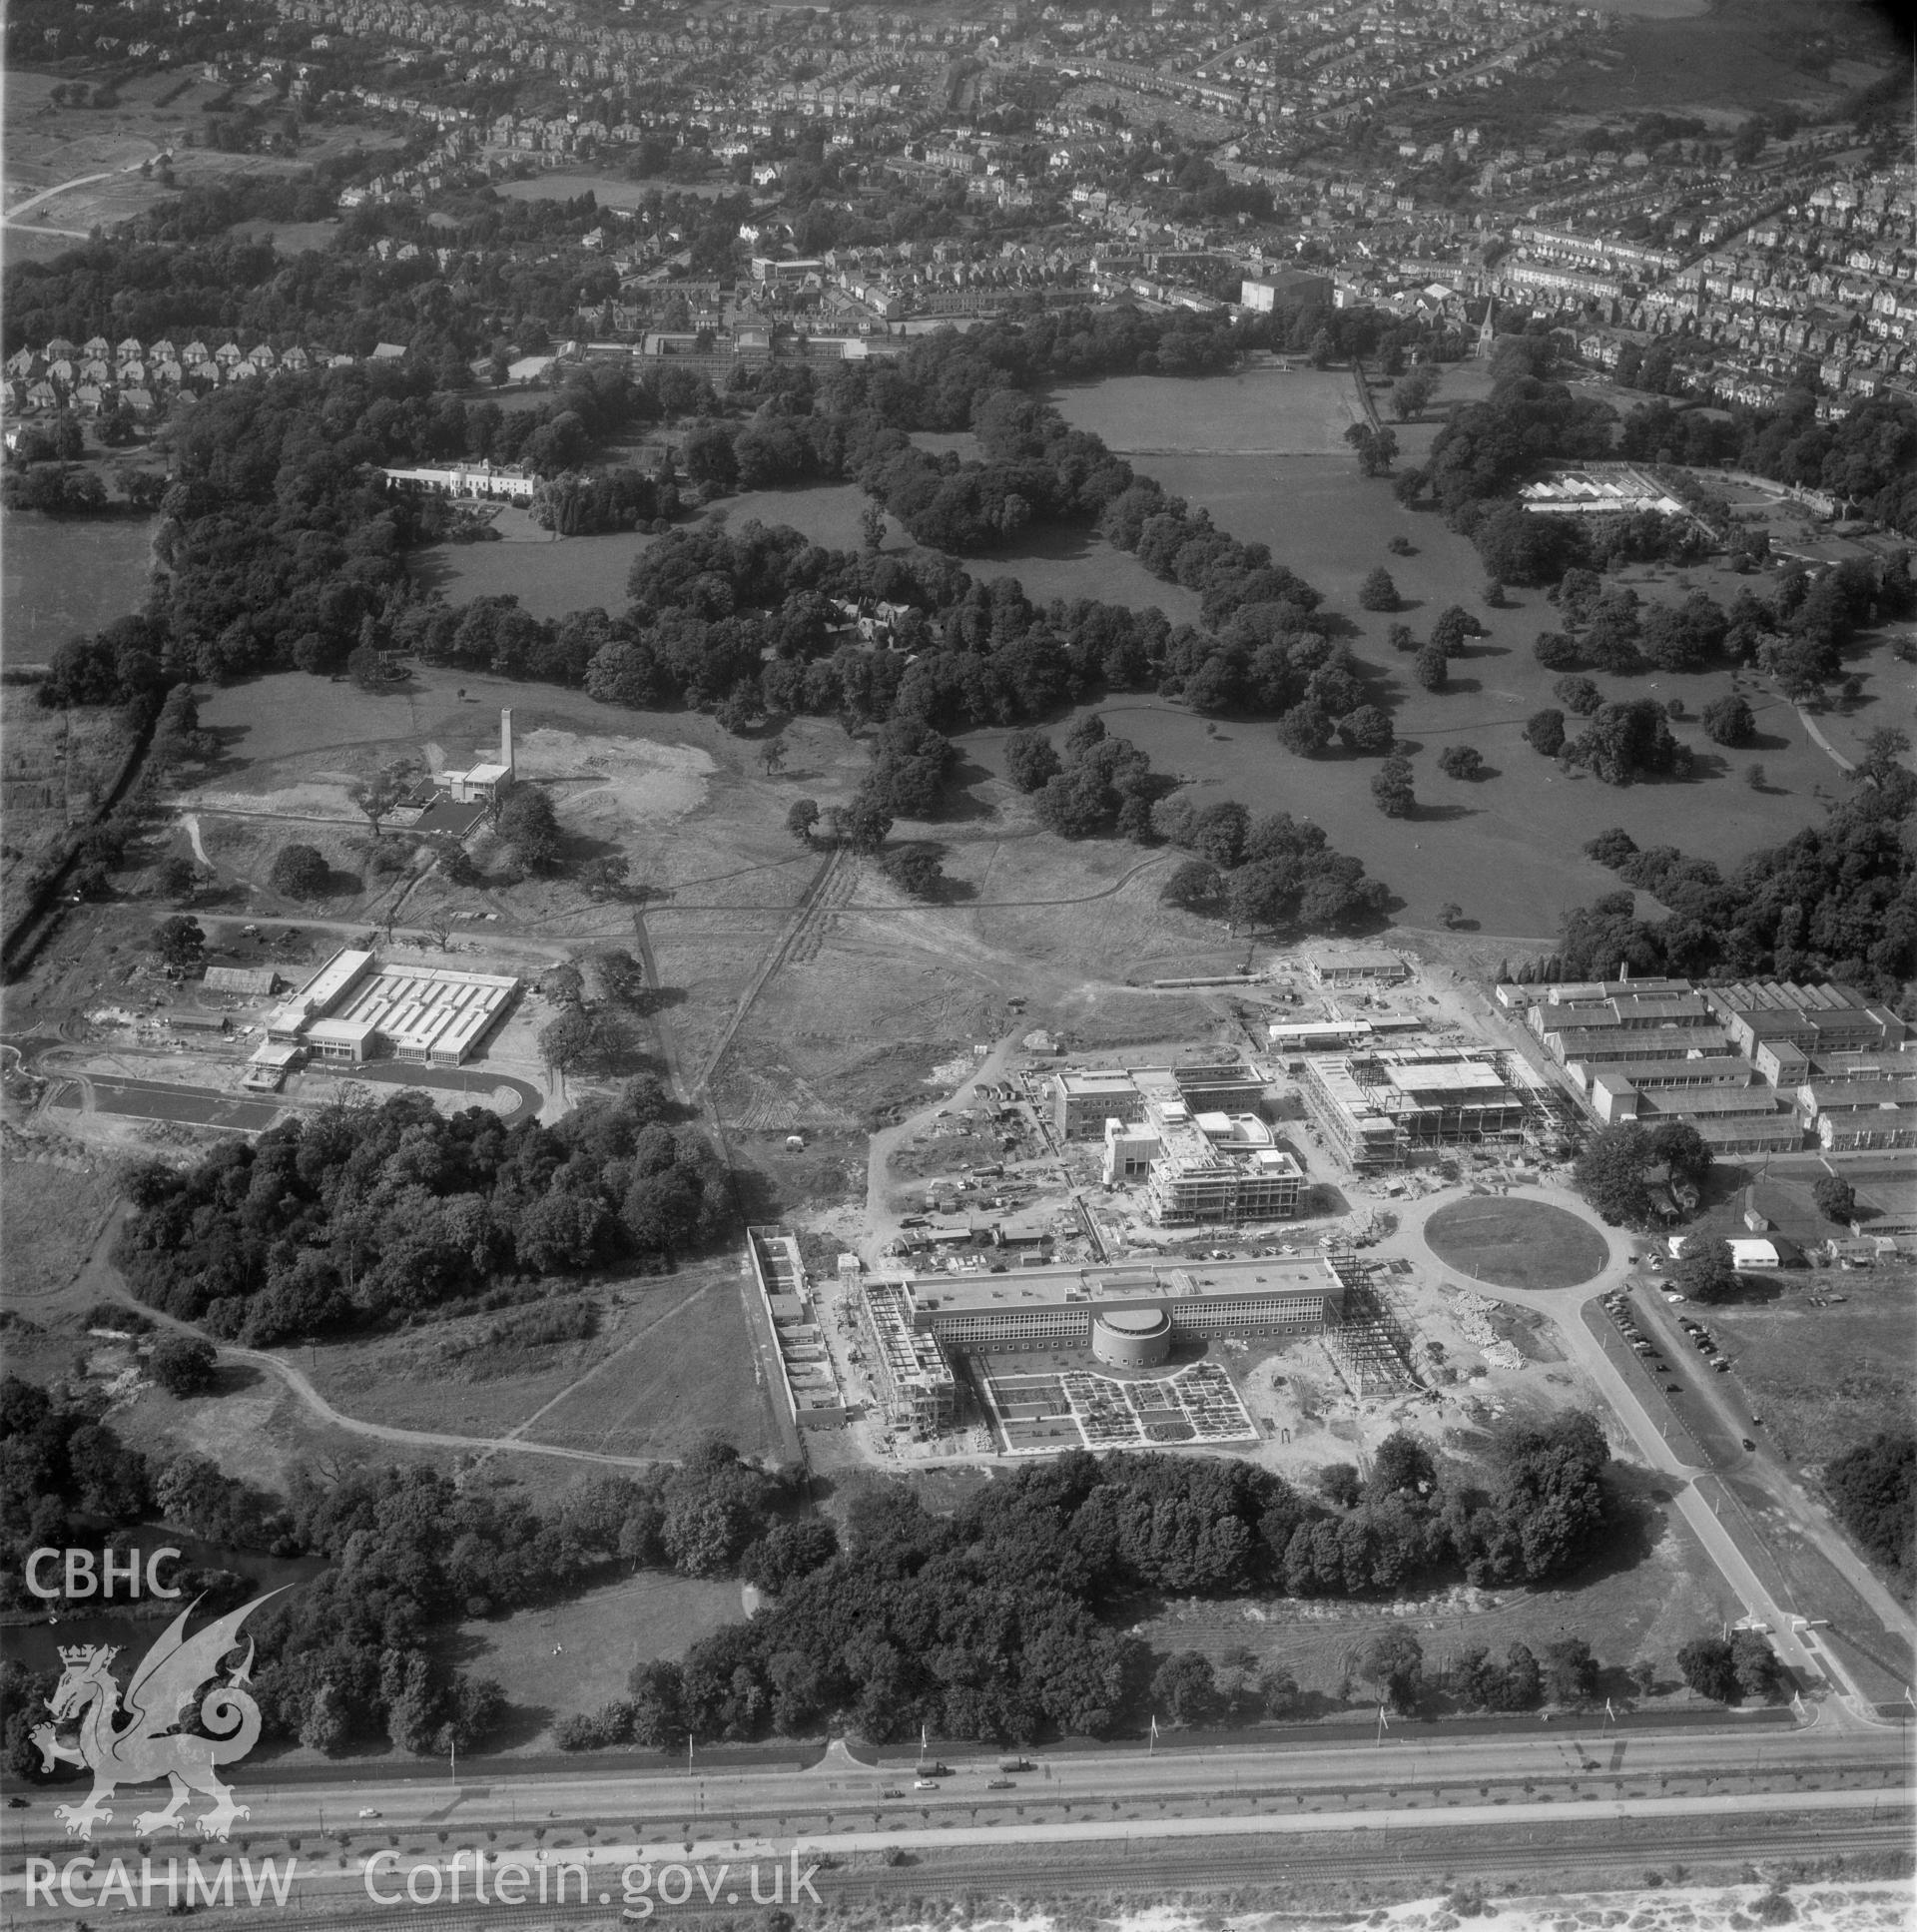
(1709,1666)
(607,877)
(365,667)
(1728,721)
(1031,763)
(1836,1197)
(1340,1483)
(872,525)
(1429,668)
(1412,391)
(1185,1689)
(1461,761)
(1705,1270)
(1394,1664)
(1401,638)
(801,819)
(1195,887)
(179,878)
(529,826)
(1451,916)
(1391,785)
(1555,651)
(1378,592)
(1615,1169)
(1366,730)
(1305,729)
(180,943)
(1454,629)
(569,1040)
(1545,732)
(1758,1672)
(915,872)
(183,1364)
(1571,1671)
(299,872)
(865,824)
(1579,695)
(375,796)
(1875,1488)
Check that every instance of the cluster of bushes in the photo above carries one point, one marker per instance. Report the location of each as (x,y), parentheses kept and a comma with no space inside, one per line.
(349,1219)
(986,1625)
(1833,901)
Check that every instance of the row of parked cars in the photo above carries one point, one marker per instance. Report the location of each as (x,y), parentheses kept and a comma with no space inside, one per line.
(1617,1305)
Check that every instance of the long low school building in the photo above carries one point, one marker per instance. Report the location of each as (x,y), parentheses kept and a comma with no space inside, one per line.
(1050,1308)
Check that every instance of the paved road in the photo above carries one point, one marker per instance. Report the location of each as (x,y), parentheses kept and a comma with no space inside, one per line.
(1647,1431)
(163,1100)
(1421,1782)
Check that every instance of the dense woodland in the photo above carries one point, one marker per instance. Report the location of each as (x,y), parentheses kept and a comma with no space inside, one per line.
(356,1655)
(1875,1488)
(1835,901)
(361,1219)
(988,1623)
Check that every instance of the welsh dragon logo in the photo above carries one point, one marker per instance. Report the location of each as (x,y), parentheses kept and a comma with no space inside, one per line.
(149,1746)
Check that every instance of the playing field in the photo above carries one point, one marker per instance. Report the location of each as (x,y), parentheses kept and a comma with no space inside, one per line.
(577,1656)
(60,578)
(1516,1244)
(1265,411)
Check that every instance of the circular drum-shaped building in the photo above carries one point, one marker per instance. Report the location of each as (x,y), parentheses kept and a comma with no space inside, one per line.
(1131,1338)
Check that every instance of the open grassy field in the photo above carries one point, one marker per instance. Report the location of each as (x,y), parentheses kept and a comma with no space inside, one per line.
(577,1656)
(1646,1608)
(1516,1244)
(1265,411)
(61,577)
(1824,1379)
(551,577)
(672,1361)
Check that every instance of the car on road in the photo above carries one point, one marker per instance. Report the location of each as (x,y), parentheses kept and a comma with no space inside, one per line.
(369,1812)
(1023,1763)
(888,1792)
(925,1785)
(1001,1784)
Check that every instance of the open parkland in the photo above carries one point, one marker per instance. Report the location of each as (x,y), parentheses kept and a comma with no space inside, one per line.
(883,1072)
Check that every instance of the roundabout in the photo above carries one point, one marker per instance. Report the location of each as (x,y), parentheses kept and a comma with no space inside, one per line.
(1507,1242)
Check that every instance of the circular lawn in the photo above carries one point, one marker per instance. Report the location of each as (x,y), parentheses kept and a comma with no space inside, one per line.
(1516,1244)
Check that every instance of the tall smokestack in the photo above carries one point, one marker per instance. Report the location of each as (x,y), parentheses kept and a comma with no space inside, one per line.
(506,739)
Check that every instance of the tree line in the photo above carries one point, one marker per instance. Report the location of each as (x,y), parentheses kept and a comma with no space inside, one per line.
(988,1623)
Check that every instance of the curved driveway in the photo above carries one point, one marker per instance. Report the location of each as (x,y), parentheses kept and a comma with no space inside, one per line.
(1649,1432)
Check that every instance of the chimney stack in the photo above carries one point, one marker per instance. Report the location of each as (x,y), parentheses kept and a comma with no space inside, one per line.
(506,739)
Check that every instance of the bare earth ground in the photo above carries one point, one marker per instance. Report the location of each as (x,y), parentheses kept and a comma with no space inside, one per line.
(58,1195)
(58,766)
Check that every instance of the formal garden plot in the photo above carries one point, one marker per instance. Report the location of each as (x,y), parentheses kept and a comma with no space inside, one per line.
(1039,1411)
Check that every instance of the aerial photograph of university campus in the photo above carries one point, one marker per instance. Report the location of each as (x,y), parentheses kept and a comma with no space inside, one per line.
(960,966)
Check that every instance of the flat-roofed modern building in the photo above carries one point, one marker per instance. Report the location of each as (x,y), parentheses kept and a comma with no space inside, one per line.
(1378,1108)
(1199,1168)
(1355,966)
(1049,1308)
(1082,1101)
(916,1386)
(1861,1113)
